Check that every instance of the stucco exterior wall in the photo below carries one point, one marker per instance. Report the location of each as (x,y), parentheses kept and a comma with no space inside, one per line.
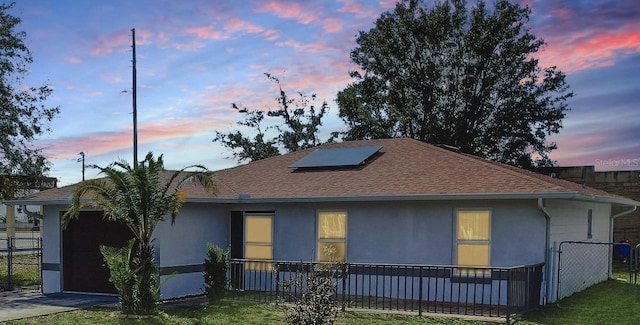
(377,232)
(51,249)
(182,247)
(409,232)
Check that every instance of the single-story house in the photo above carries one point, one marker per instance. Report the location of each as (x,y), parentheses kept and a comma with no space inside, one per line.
(388,201)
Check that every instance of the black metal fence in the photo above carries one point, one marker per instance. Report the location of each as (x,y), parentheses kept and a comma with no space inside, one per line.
(480,291)
(20,262)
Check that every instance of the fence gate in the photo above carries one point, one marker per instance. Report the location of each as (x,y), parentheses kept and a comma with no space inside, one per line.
(581,265)
(20,262)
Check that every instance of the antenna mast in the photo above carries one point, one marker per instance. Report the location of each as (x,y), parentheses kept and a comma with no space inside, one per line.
(135,110)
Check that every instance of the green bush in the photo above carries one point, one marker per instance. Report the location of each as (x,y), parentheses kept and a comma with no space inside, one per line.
(135,279)
(215,273)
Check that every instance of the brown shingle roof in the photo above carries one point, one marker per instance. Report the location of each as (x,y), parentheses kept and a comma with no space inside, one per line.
(403,168)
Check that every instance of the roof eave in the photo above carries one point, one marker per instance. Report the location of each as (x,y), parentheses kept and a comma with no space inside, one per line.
(428,197)
(37,202)
(376,198)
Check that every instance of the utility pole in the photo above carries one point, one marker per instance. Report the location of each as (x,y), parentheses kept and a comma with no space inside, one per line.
(82,159)
(135,109)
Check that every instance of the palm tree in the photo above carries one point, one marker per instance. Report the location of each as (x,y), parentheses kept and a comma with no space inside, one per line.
(139,197)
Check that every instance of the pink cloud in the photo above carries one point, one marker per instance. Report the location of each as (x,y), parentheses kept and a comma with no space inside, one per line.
(583,52)
(271,34)
(163,38)
(288,10)
(332,25)
(111,78)
(100,143)
(306,48)
(387,3)
(207,32)
(191,45)
(362,11)
(236,24)
(120,40)
(587,35)
(75,60)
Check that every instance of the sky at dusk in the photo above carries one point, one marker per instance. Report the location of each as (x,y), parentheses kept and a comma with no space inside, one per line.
(196,57)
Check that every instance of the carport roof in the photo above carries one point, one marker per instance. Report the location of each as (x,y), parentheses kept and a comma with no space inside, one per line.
(403,169)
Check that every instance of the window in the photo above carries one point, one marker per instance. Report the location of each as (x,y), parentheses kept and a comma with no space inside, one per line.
(473,236)
(332,236)
(258,240)
(589,224)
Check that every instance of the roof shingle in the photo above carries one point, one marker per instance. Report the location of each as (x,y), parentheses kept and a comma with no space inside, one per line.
(403,167)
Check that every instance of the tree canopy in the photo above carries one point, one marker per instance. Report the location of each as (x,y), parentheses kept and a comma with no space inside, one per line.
(23,115)
(457,75)
(299,127)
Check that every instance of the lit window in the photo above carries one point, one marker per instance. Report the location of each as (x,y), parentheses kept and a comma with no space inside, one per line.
(332,236)
(473,238)
(258,240)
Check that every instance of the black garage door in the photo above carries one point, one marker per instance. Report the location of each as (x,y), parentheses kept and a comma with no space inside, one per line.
(84,269)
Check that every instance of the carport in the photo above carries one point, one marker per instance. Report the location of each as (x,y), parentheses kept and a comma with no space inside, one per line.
(83,268)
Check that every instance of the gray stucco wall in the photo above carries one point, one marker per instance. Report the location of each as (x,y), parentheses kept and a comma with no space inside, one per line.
(390,232)
(410,232)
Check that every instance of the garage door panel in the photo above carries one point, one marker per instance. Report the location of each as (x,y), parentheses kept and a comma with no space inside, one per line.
(84,269)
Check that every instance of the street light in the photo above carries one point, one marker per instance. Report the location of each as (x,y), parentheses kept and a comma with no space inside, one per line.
(82,159)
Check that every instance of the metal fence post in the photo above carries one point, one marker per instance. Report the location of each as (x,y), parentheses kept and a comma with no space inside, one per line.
(40,265)
(9,263)
(420,294)
(509,288)
(345,273)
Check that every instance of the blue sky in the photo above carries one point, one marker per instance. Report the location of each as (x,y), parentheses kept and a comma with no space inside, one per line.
(196,57)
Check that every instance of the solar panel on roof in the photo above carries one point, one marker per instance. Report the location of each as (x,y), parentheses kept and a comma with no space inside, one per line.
(336,157)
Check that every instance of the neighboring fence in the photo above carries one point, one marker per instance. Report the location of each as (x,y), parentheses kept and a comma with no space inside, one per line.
(494,292)
(20,262)
(634,264)
(583,264)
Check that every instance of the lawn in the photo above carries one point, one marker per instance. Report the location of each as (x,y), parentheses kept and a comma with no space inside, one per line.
(229,312)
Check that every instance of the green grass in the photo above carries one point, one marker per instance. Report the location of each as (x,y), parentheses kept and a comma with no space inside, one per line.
(228,312)
(25,271)
(611,302)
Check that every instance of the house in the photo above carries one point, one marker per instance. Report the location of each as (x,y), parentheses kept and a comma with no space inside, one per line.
(388,201)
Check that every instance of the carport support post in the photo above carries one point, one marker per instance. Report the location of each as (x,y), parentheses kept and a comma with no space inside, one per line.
(11,222)
(11,233)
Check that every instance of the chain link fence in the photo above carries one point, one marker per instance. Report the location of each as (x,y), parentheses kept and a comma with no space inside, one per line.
(20,262)
(583,264)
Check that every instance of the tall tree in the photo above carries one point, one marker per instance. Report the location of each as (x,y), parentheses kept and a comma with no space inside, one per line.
(299,129)
(457,75)
(244,147)
(139,198)
(23,116)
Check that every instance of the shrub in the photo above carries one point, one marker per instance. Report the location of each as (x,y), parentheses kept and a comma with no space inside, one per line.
(316,303)
(215,273)
(135,281)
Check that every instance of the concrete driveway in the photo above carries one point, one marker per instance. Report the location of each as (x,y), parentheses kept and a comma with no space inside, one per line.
(31,303)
